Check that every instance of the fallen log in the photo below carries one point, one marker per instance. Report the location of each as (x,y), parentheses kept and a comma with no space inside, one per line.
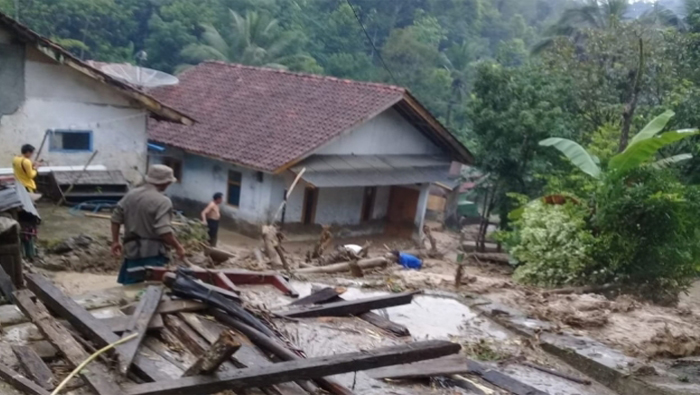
(89,326)
(138,324)
(34,367)
(351,307)
(20,382)
(222,349)
(311,368)
(345,266)
(98,377)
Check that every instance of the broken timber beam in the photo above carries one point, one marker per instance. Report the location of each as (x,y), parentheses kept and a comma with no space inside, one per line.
(191,340)
(222,349)
(350,307)
(327,294)
(20,382)
(333,295)
(87,325)
(298,370)
(171,306)
(272,346)
(139,324)
(97,376)
(344,266)
(34,367)
(118,324)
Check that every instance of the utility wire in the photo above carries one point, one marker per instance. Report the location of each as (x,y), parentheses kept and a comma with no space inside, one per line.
(372,43)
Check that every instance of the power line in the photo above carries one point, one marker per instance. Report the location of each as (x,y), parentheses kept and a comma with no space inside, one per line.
(372,43)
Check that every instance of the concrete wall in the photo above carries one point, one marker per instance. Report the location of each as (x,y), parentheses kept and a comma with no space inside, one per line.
(58,97)
(386,134)
(202,177)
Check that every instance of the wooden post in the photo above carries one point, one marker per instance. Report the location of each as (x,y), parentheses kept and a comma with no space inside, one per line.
(222,349)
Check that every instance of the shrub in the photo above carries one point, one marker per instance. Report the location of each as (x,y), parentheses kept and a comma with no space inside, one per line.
(647,231)
(554,244)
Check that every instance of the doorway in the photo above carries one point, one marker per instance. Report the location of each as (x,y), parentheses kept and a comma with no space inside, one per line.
(308,213)
(368,203)
(401,213)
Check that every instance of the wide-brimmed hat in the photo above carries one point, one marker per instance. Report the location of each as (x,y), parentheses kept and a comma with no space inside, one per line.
(160,174)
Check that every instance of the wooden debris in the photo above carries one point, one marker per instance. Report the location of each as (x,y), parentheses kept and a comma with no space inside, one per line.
(20,382)
(556,373)
(301,369)
(384,323)
(222,349)
(324,241)
(351,307)
(588,289)
(138,324)
(270,241)
(429,235)
(171,306)
(97,378)
(321,296)
(89,326)
(7,288)
(217,255)
(192,342)
(34,367)
(355,269)
(502,380)
(345,266)
(446,366)
(118,324)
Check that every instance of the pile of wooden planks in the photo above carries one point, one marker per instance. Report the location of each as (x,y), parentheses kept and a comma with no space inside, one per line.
(228,351)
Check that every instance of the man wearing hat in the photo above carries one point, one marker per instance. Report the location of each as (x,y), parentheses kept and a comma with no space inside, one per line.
(146,215)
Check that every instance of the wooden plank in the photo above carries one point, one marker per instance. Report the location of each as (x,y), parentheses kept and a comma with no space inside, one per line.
(6,286)
(321,296)
(171,306)
(385,323)
(508,383)
(118,324)
(139,324)
(20,382)
(87,325)
(299,370)
(446,366)
(350,307)
(191,340)
(222,349)
(34,367)
(97,376)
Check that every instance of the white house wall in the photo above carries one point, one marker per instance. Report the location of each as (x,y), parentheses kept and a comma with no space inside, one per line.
(202,177)
(386,134)
(57,97)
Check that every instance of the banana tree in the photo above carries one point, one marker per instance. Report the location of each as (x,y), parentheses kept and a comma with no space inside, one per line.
(640,151)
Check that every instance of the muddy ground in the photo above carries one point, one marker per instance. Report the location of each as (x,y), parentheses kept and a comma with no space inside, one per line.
(638,329)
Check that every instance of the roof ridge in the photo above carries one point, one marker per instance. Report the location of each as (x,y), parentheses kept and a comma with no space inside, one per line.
(305,75)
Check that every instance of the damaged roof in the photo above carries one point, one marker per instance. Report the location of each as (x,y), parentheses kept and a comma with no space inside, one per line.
(269,119)
(63,56)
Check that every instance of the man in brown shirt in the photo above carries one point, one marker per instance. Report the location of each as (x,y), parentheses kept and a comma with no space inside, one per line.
(146,215)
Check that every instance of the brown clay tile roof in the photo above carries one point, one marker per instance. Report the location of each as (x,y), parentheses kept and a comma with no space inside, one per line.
(264,118)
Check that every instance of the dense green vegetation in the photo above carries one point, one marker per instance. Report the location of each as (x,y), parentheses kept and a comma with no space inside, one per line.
(503,75)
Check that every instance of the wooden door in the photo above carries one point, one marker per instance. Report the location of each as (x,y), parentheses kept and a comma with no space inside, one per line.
(401,212)
(308,213)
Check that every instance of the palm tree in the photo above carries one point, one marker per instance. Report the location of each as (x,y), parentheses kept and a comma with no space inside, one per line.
(593,14)
(255,40)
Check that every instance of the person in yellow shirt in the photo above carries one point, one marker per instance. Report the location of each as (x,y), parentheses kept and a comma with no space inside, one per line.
(24,169)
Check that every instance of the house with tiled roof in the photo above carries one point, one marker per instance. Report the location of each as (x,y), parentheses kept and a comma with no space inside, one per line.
(368,151)
(51,99)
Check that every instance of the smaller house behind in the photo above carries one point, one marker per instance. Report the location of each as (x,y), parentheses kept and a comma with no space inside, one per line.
(370,151)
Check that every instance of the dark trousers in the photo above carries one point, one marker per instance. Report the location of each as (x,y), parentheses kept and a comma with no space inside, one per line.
(213,226)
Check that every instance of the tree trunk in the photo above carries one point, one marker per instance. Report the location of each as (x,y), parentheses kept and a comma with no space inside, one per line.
(631,105)
(270,241)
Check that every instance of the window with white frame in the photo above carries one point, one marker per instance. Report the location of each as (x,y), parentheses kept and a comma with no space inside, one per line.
(70,140)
